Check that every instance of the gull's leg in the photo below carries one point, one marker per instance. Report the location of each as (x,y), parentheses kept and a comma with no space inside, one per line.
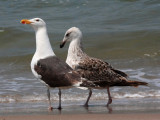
(59,99)
(48,94)
(90,93)
(109,97)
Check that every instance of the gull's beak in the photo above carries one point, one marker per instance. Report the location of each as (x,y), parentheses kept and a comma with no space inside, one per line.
(25,21)
(63,43)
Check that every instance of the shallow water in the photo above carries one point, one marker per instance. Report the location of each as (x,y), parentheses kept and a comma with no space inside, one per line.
(124,33)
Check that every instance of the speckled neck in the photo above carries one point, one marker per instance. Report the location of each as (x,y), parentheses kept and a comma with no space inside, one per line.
(75,53)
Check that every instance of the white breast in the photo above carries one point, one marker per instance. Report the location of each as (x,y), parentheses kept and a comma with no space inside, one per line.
(33,63)
(72,62)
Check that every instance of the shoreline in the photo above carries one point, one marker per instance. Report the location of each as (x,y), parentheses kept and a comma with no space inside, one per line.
(141,116)
(120,110)
(124,106)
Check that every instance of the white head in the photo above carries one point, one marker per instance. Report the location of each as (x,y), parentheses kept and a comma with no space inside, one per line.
(36,23)
(43,47)
(71,34)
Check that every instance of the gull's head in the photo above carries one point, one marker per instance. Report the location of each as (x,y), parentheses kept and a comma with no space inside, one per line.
(71,34)
(36,23)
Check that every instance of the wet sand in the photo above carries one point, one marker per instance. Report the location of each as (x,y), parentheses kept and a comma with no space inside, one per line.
(143,116)
(132,110)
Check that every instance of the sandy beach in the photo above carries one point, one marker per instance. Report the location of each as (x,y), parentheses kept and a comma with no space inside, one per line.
(143,116)
(75,112)
(132,111)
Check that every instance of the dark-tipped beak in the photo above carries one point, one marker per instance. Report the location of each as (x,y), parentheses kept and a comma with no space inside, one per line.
(62,44)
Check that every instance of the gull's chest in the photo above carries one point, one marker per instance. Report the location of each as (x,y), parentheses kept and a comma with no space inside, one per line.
(33,63)
(74,61)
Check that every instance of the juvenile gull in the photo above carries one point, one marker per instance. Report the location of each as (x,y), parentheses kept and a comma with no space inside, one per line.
(93,69)
(48,68)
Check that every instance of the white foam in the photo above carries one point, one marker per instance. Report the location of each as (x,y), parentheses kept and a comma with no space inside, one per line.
(152,55)
(1,30)
(22,78)
(139,95)
(77,96)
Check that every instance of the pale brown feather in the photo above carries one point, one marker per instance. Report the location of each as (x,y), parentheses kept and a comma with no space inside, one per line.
(102,74)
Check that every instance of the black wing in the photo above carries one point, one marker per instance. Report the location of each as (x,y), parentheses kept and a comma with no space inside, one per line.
(55,72)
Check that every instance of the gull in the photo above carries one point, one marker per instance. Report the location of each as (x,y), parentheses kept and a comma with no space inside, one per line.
(47,67)
(93,69)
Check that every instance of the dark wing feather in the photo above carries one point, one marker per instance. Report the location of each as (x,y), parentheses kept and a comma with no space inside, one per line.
(120,72)
(56,73)
(117,71)
(100,72)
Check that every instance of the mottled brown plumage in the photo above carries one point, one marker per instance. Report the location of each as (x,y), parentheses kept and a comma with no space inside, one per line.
(98,71)
(102,74)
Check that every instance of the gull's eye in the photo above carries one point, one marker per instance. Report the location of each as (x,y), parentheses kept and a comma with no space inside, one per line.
(37,20)
(67,34)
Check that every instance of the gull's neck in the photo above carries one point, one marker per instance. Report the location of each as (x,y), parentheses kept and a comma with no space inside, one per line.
(43,46)
(75,52)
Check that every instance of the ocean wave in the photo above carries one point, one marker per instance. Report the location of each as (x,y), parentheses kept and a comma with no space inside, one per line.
(76,97)
(138,95)
(1,30)
(28,89)
(155,54)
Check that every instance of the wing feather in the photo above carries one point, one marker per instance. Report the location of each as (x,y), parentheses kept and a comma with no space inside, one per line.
(100,72)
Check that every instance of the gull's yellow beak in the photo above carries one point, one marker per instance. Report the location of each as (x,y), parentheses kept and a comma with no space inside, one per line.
(25,21)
